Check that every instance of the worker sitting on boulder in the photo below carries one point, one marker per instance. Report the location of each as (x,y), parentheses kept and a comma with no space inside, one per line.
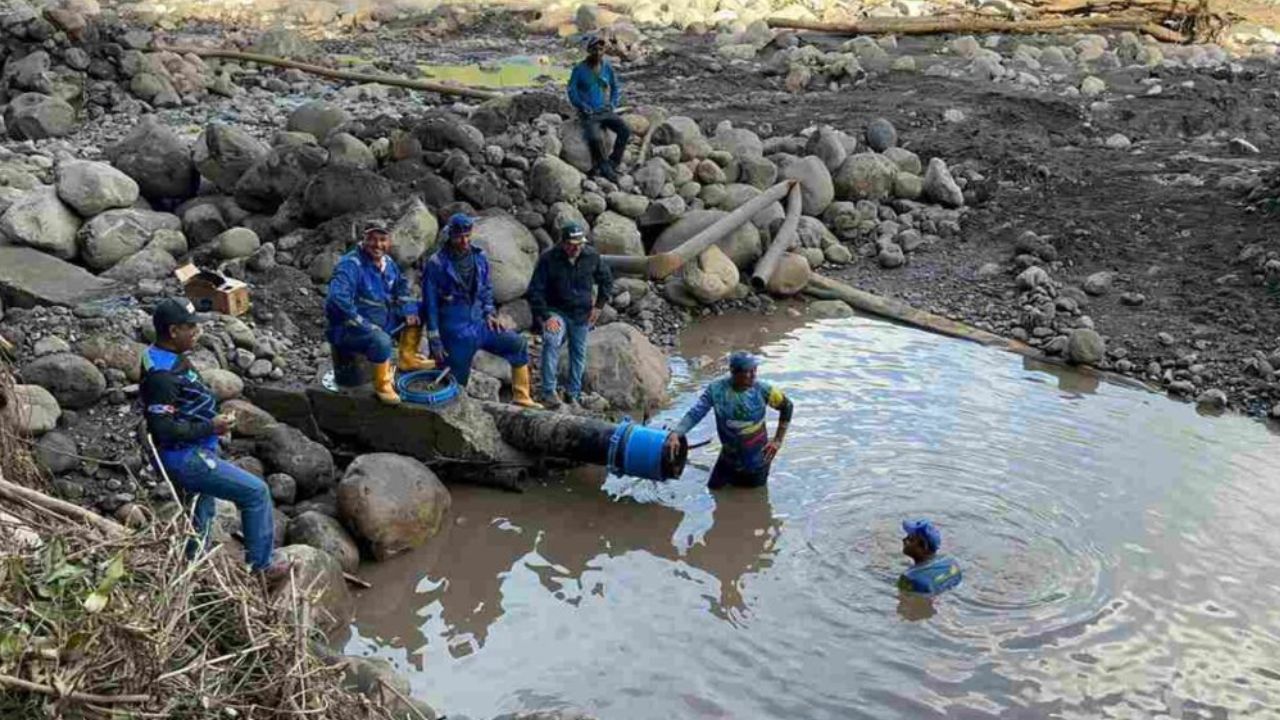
(931,573)
(570,284)
(739,401)
(594,92)
(457,307)
(182,419)
(369,299)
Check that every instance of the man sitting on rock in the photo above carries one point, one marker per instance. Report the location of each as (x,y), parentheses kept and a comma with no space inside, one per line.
(369,299)
(594,92)
(740,401)
(182,419)
(565,304)
(458,309)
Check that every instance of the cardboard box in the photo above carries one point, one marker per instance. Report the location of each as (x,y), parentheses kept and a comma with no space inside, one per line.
(211,291)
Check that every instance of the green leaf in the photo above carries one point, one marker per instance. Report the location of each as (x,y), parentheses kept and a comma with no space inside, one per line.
(95,602)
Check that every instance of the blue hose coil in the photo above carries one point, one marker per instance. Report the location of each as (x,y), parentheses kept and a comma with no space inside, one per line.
(447,390)
(637,450)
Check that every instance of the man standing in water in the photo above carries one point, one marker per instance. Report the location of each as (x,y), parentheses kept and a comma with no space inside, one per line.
(931,573)
(594,92)
(740,401)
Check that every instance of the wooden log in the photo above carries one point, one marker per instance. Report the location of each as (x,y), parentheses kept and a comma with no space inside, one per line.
(785,238)
(427,85)
(660,266)
(981,25)
(17,493)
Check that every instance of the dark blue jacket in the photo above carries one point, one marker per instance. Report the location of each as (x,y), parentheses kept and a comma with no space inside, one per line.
(449,307)
(178,406)
(566,288)
(590,91)
(360,294)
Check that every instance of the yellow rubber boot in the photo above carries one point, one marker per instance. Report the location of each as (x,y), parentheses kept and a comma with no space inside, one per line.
(383,383)
(520,383)
(408,359)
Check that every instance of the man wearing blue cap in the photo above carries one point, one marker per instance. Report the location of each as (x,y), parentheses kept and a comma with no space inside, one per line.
(458,310)
(931,573)
(570,284)
(740,401)
(183,420)
(594,92)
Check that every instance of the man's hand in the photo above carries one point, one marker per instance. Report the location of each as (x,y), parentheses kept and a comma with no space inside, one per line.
(552,325)
(436,349)
(223,423)
(771,450)
(593,316)
(412,321)
(495,323)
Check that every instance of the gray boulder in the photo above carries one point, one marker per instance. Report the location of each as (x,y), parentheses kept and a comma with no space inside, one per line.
(624,367)
(627,204)
(341,190)
(940,187)
(512,251)
(29,278)
(711,276)
(157,159)
(554,180)
(283,171)
(30,409)
(114,350)
(817,189)
(202,223)
(225,384)
(317,118)
(573,146)
(756,171)
(32,116)
(224,153)
(71,379)
(92,187)
(237,242)
(906,160)
(1086,347)
(57,452)
(881,135)
(393,502)
(40,220)
(738,142)
(346,151)
(830,309)
(791,275)
(1099,283)
(830,146)
(114,235)
(414,234)
(284,449)
(684,132)
(743,246)
(322,532)
(865,176)
(150,263)
(617,235)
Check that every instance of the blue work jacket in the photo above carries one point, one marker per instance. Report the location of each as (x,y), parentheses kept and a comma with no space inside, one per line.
(361,295)
(591,91)
(448,306)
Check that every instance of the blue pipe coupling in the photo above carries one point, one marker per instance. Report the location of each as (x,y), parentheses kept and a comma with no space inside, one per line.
(643,452)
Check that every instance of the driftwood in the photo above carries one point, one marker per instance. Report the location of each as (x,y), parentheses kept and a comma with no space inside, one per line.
(972,24)
(19,494)
(427,85)
(782,241)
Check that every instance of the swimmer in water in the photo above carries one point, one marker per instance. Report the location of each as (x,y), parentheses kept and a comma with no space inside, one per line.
(931,573)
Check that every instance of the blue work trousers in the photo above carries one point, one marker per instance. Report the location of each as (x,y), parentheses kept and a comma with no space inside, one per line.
(593,127)
(576,333)
(201,471)
(460,349)
(368,341)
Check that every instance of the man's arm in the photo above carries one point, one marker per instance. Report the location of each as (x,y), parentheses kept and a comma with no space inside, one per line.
(160,393)
(342,291)
(537,292)
(604,282)
(615,90)
(780,402)
(430,302)
(574,90)
(695,413)
(485,289)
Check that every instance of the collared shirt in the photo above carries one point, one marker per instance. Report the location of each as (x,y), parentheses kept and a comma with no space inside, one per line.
(937,574)
(567,286)
(363,291)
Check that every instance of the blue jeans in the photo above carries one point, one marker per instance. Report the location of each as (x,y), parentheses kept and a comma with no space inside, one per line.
(367,340)
(460,348)
(592,131)
(201,471)
(551,342)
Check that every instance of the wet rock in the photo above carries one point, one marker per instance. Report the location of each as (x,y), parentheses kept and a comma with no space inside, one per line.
(57,452)
(614,234)
(865,176)
(1099,283)
(114,235)
(625,368)
(339,191)
(29,277)
(92,187)
(940,187)
(32,116)
(224,153)
(317,575)
(224,383)
(791,275)
(283,171)
(554,180)
(1085,347)
(31,410)
(157,159)
(881,135)
(150,263)
(711,276)
(284,449)
(317,118)
(512,252)
(393,502)
(830,309)
(40,220)
(325,533)
(817,189)
(372,676)
(1212,400)
(71,379)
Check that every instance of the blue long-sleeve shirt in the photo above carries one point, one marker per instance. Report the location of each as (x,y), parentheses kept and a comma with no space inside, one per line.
(740,419)
(591,91)
(361,293)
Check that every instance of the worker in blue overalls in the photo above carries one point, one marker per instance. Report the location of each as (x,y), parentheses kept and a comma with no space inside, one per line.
(458,310)
(182,418)
(369,300)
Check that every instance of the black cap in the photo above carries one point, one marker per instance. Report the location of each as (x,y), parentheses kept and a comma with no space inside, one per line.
(170,312)
(375,225)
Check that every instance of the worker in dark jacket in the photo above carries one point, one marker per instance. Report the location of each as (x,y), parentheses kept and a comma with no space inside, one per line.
(594,91)
(369,299)
(570,284)
(458,310)
(182,419)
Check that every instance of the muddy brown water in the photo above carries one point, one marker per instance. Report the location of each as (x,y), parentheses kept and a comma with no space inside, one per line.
(1119,553)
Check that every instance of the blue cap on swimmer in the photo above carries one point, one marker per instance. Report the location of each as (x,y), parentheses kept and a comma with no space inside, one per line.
(742,362)
(926,531)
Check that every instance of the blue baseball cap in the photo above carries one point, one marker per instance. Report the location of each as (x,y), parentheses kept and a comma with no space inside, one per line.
(925,530)
(741,362)
(460,224)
